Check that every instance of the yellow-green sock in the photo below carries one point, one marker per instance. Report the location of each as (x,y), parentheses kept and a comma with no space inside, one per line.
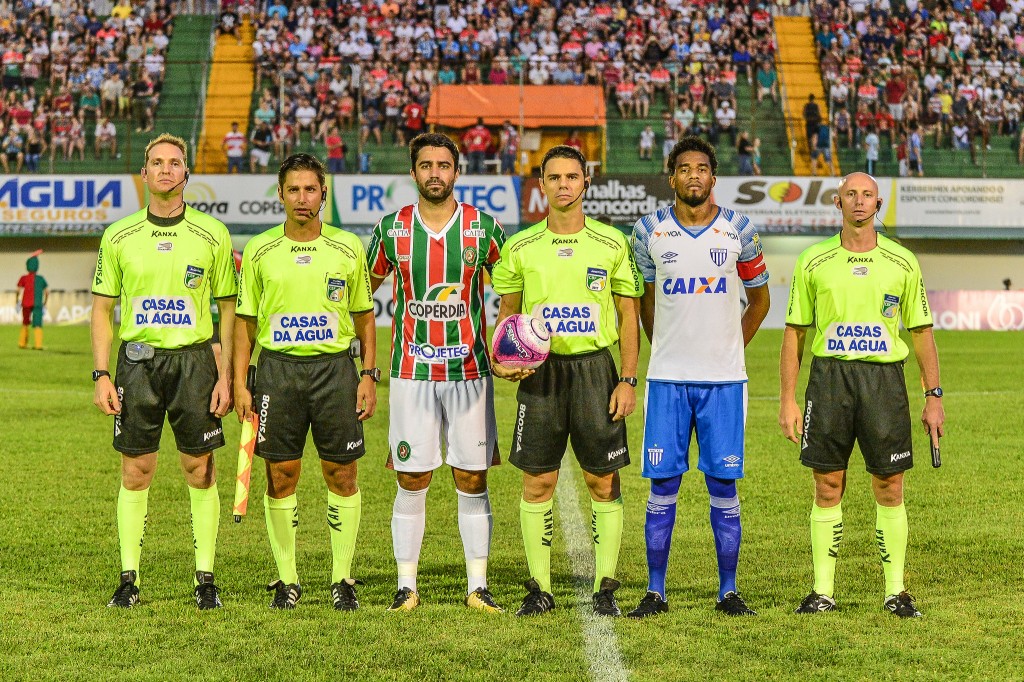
(826,534)
(282,520)
(538,524)
(132,512)
(205,505)
(343,519)
(606,526)
(891,532)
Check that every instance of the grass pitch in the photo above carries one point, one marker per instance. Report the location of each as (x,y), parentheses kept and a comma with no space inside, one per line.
(59,555)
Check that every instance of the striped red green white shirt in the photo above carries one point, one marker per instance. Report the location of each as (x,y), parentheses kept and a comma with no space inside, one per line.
(439,329)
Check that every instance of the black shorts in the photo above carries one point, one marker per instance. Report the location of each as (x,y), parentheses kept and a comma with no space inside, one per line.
(851,400)
(566,400)
(178,383)
(295,394)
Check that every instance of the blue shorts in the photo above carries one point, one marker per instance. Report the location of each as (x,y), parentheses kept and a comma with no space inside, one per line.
(672,411)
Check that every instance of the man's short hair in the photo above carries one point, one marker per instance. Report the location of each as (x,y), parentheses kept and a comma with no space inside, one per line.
(564,151)
(432,140)
(302,162)
(691,143)
(167,138)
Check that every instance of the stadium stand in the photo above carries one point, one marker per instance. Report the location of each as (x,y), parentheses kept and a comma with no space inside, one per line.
(952,67)
(65,69)
(361,69)
(943,75)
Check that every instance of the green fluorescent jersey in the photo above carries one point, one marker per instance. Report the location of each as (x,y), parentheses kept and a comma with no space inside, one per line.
(165,270)
(568,280)
(303,293)
(856,300)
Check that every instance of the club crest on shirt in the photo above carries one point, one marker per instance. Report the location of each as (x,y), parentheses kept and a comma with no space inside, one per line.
(193,276)
(597,279)
(335,289)
(470,256)
(890,306)
(719,256)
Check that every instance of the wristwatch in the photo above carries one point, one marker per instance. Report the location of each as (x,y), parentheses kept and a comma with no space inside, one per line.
(373,373)
(97,373)
(937,392)
(628,380)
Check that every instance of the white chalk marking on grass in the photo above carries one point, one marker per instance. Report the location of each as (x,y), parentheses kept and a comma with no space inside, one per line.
(601,646)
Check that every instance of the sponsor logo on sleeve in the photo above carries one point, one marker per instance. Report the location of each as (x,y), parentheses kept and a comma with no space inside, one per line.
(193,276)
(597,279)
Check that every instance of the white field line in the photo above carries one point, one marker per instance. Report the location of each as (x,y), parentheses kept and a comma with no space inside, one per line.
(601,646)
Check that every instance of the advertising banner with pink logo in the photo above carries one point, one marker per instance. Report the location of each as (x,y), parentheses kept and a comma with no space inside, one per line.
(1000,311)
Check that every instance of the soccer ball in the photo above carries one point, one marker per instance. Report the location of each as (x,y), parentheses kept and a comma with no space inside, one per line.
(521,341)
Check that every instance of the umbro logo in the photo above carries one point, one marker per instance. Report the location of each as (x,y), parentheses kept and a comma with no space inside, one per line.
(669,257)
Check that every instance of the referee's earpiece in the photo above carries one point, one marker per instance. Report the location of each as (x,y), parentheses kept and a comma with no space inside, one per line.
(586,185)
(323,198)
(186,175)
(878,206)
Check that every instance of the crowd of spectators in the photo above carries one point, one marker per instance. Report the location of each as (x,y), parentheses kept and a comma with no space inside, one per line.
(67,75)
(326,64)
(899,72)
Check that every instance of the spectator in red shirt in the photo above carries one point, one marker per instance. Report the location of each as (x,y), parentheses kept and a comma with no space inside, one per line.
(895,91)
(574,140)
(412,121)
(477,141)
(336,150)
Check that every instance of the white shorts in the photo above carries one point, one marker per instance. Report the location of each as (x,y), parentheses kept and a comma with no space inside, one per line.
(429,415)
(261,156)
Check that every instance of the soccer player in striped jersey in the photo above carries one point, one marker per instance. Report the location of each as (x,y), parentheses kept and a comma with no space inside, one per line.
(705,295)
(442,393)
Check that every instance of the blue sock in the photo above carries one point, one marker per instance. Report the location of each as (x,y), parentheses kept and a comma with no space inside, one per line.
(725,524)
(661,518)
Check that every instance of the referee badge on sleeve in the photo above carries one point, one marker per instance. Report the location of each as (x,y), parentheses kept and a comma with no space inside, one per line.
(335,289)
(890,305)
(193,276)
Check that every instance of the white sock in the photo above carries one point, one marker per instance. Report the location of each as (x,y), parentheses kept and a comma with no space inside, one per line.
(408,519)
(475,525)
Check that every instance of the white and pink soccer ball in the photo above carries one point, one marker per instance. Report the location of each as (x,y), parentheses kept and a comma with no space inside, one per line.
(521,341)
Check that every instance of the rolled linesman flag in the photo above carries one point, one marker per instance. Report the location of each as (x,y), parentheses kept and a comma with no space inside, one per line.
(246,450)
